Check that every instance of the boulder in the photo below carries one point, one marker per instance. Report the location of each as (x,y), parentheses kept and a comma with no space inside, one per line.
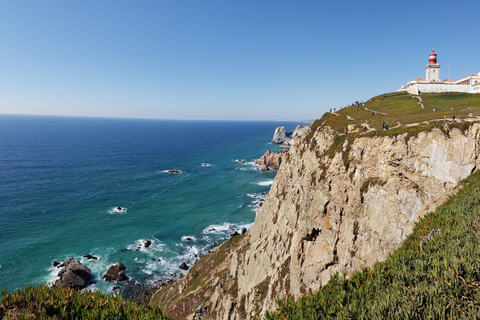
(74,275)
(244,230)
(116,273)
(56,264)
(183,266)
(234,233)
(148,243)
(174,171)
(90,257)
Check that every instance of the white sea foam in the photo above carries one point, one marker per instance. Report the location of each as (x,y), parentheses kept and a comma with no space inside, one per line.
(265,183)
(116,210)
(154,248)
(218,228)
(258,200)
(173,173)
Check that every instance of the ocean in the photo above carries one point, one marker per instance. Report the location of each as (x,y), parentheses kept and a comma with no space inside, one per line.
(62,178)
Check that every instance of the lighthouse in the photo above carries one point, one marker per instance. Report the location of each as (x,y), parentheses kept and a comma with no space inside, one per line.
(432,68)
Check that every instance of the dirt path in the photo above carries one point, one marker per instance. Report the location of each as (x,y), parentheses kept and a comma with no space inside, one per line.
(420,102)
(385,114)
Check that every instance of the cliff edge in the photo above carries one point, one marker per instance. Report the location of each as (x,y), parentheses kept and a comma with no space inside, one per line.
(339,202)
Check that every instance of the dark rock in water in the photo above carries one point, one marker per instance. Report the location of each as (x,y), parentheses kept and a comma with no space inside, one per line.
(55,263)
(116,273)
(234,233)
(244,230)
(183,266)
(148,243)
(159,260)
(174,171)
(188,239)
(119,208)
(74,275)
(116,288)
(90,257)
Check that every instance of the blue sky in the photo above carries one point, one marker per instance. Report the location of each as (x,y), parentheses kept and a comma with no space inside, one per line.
(221,59)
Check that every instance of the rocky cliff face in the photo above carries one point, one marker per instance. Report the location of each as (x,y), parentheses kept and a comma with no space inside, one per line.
(337,204)
(271,160)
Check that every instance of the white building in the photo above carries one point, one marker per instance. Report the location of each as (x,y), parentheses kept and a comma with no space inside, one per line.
(433,84)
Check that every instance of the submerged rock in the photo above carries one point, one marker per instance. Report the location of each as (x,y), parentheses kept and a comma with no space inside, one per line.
(116,273)
(74,275)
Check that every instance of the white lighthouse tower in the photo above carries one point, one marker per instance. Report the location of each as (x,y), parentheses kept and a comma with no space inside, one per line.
(432,68)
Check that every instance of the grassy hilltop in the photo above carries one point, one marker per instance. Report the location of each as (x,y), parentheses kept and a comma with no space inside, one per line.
(435,274)
(404,111)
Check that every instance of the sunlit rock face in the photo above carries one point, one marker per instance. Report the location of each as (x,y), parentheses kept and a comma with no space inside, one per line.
(326,212)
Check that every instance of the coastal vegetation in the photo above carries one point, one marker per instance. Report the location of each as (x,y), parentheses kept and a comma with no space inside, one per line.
(434,275)
(47,302)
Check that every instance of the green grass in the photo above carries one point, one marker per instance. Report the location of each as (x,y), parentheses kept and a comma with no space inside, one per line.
(441,281)
(45,302)
(401,109)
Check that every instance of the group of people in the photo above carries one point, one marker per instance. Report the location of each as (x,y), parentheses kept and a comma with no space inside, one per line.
(358,104)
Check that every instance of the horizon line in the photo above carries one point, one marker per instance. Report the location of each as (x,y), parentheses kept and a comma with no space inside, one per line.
(152,118)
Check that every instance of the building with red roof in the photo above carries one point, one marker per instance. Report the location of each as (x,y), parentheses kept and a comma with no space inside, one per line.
(433,82)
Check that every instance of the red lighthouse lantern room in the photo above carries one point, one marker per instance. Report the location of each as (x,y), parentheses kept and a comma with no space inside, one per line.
(432,59)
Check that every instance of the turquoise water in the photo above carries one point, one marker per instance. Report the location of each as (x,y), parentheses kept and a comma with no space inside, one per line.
(62,177)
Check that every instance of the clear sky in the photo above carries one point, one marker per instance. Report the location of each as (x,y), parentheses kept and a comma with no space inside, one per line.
(223,59)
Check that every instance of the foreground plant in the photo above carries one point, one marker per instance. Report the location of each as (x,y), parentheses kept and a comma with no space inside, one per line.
(46,302)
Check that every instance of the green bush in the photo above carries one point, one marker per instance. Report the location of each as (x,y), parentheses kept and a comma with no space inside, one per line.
(46,302)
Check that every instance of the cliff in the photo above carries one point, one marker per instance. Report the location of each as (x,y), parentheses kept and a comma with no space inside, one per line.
(338,203)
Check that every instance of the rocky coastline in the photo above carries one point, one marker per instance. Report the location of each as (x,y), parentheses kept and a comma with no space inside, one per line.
(326,212)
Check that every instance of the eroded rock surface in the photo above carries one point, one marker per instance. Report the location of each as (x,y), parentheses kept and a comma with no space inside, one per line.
(271,160)
(280,136)
(326,212)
